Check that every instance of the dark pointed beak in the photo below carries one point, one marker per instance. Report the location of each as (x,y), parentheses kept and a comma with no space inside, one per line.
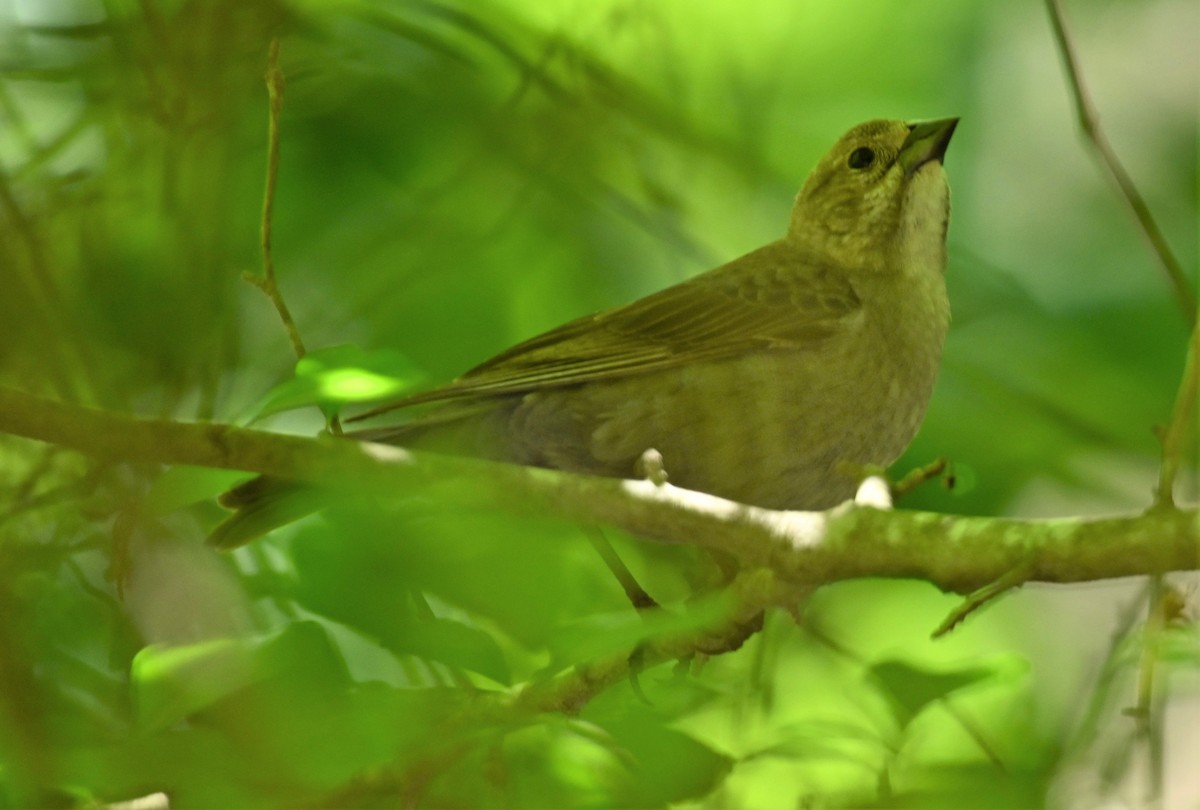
(926,141)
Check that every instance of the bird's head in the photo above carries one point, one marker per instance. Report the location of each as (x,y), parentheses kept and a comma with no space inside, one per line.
(878,200)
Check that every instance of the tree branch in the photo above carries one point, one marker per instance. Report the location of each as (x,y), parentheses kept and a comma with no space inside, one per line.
(1180,431)
(959,554)
(1089,123)
(267,283)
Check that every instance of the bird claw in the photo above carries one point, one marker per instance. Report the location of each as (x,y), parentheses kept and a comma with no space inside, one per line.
(875,492)
(650,467)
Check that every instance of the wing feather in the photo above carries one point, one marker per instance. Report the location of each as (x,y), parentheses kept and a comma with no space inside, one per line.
(771,299)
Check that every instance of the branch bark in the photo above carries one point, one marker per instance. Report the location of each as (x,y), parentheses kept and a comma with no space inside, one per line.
(800,549)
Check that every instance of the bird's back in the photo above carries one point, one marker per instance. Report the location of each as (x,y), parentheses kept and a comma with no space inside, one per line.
(767,425)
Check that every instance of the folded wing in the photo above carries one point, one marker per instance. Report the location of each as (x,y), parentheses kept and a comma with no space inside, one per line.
(771,299)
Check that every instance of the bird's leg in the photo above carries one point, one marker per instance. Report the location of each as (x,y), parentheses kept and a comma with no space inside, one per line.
(650,466)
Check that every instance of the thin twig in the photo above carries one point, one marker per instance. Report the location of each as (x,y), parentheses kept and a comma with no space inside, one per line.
(266,282)
(974,732)
(1148,712)
(1089,122)
(1012,579)
(633,590)
(916,477)
(1176,436)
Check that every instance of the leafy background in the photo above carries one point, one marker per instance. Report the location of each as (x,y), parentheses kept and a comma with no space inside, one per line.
(457,176)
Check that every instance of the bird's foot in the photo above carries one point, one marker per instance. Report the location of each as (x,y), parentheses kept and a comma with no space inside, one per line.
(650,467)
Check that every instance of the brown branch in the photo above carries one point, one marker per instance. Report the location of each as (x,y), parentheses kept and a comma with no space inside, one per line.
(1089,122)
(69,367)
(1179,433)
(1147,713)
(267,283)
(959,554)
(1014,578)
(1150,698)
(783,555)
(752,591)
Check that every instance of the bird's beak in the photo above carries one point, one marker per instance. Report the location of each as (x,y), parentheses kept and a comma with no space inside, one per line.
(926,141)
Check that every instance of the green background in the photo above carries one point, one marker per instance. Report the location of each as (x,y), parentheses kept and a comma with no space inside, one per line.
(455,177)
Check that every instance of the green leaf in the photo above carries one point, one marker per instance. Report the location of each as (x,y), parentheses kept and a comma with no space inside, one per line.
(667,765)
(1180,645)
(977,786)
(171,683)
(184,485)
(911,688)
(364,586)
(451,642)
(331,377)
(606,634)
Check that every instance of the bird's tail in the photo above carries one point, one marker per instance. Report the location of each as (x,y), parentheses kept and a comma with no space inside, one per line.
(266,503)
(261,505)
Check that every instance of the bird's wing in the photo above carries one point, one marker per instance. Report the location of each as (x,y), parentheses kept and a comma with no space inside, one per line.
(768,299)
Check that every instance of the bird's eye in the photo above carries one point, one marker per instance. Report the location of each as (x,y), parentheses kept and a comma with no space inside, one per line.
(861,158)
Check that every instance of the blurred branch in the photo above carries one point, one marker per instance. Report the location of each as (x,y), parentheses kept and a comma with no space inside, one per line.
(266,283)
(752,591)
(1089,122)
(1014,578)
(1176,436)
(802,549)
(1149,709)
(783,555)
(69,371)
(1148,712)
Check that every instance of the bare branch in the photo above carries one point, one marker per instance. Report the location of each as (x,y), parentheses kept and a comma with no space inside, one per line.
(1089,122)
(1180,431)
(275,84)
(783,555)
(267,282)
(959,554)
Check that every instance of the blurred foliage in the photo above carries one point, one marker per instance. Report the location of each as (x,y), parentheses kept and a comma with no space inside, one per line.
(457,176)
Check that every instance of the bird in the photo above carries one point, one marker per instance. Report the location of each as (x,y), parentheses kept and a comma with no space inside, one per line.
(761,381)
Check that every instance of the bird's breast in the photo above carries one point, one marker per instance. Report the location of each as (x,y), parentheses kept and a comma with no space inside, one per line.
(768,428)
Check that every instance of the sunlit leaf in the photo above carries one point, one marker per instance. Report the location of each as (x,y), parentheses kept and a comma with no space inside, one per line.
(338,375)
(172,683)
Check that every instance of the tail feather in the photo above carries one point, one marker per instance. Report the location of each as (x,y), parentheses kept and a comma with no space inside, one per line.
(265,503)
(262,504)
